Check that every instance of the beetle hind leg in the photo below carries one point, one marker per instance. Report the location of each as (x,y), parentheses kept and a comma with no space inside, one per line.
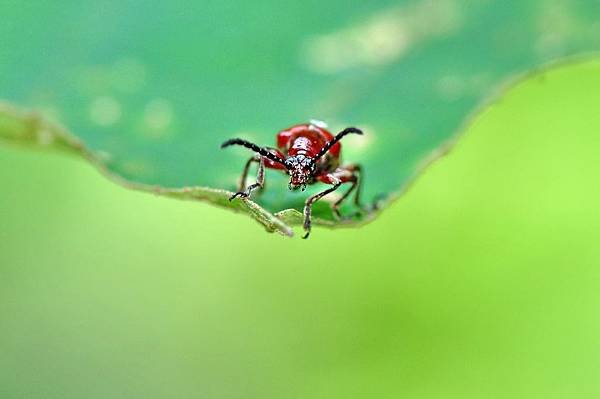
(336,205)
(356,179)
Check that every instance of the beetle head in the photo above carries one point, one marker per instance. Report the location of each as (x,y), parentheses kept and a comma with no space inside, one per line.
(301,169)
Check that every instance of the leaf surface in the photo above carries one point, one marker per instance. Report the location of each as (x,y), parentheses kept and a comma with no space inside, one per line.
(149,91)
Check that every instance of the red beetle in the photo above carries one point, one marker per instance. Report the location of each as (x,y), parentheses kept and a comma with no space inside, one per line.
(308,153)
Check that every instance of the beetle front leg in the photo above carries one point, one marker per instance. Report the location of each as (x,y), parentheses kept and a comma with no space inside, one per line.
(242,183)
(260,178)
(309,203)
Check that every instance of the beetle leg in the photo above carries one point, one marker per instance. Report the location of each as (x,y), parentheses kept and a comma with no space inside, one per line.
(335,206)
(356,180)
(260,178)
(242,183)
(311,200)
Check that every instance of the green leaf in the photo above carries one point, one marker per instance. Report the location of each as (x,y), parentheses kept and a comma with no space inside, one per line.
(149,91)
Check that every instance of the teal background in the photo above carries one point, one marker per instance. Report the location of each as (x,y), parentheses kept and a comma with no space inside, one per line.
(482,282)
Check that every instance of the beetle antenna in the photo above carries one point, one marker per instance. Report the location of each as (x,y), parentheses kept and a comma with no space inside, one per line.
(337,138)
(262,151)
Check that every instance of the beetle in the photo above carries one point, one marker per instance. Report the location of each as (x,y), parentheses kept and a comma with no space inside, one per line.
(309,153)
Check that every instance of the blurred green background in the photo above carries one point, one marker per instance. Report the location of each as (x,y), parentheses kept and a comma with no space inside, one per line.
(482,282)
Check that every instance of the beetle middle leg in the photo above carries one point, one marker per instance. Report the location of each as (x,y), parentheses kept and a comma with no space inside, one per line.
(260,178)
(309,203)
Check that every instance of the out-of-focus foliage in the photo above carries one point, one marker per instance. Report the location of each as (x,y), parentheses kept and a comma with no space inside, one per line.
(152,89)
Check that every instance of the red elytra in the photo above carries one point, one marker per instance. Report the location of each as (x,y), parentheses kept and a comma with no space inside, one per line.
(308,153)
(307,137)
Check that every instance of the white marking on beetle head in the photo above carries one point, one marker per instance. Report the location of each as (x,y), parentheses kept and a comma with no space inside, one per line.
(318,123)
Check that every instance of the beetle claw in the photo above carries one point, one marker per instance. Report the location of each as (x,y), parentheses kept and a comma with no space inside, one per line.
(240,194)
